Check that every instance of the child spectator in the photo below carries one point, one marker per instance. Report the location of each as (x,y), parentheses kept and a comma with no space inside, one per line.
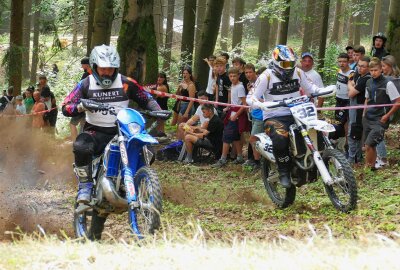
(50,101)
(379,90)
(223,85)
(225,56)
(236,121)
(350,53)
(6,102)
(38,111)
(359,52)
(239,63)
(212,75)
(19,106)
(28,100)
(42,82)
(209,137)
(357,97)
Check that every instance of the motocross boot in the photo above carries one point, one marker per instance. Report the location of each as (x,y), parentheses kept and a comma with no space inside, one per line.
(284,178)
(85,187)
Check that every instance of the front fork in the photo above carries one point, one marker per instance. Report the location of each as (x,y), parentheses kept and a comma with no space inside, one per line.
(326,177)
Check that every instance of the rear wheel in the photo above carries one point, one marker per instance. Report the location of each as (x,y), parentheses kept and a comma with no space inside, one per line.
(343,191)
(147,214)
(280,196)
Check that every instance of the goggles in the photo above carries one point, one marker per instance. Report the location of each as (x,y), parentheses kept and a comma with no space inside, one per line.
(287,64)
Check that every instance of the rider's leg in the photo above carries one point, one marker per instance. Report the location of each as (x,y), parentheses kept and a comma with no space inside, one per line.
(277,129)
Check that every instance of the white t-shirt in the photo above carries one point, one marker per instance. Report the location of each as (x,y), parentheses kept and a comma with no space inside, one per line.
(315,78)
(199,113)
(210,83)
(237,92)
(342,91)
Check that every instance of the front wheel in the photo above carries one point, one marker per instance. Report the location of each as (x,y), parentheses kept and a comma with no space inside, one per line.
(147,214)
(343,190)
(88,224)
(280,196)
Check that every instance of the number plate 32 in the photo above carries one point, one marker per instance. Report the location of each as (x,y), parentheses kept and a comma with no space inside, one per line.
(304,112)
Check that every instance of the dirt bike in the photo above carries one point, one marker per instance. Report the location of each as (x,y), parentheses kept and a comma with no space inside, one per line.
(312,154)
(123,179)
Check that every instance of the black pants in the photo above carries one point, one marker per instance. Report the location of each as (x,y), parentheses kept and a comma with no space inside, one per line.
(278,130)
(88,144)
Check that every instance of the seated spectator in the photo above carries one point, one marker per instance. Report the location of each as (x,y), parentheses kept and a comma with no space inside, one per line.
(38,111)
(236,121)
(19,106)
(210,137)
(379,90)
(28,99)
(50,102)
(196,121)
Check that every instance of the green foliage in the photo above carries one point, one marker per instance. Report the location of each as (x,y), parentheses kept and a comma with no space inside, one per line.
(330,69)
(270,9)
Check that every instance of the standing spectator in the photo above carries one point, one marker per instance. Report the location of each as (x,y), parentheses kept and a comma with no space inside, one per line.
(42,82)
(350,53)
(307,64)
(257,123)
(235,121)
(51,104)
(239,63)
(389,67)
(209,137)
(6,101)
(359,52)
(357,97)
(226,57)
(223,85)
(186,88)
(28,99)
(19,105)
(38,111)
(211,77)
(86,67)
(162,86)
(379,90)
(378,46)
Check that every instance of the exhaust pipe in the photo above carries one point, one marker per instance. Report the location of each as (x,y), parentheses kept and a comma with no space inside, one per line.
(111,194)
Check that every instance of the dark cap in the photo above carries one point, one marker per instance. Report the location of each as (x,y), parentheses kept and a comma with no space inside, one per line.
(305,54)
(85,60)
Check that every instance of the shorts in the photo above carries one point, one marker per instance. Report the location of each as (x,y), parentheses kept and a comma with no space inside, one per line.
(374,132)
(205,143)
(75,120)
(257,127)
(342,115)
(183,107)
(231,132)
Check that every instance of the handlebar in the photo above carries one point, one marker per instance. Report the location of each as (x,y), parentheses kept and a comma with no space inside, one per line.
(94,105)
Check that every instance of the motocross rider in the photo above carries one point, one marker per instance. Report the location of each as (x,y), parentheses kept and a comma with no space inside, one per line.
(282,80)
(108,86)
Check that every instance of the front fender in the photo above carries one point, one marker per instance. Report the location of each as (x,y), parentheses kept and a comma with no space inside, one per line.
(321,125)
(144,138)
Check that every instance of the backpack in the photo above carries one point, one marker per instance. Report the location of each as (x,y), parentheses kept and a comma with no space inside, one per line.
(170,151)
(7,107)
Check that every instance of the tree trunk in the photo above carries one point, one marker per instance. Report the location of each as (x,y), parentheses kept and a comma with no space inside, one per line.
(137,44)
(263,40)
(377,15)
(308,25)
(189,22)
(237,34)
(208,38)
(102,22)
(393,29)
(317,24)
(158,22)
(225,25)
(15,50)
(273,34)
(35,45)
(357,26)
(90,8)
(336,23)
(200,13)
(284,25)
(75,26)
(26,38)
(170,34)
(324,34)
(351,30)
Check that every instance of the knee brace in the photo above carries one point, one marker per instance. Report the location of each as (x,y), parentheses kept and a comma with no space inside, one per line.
(83,149)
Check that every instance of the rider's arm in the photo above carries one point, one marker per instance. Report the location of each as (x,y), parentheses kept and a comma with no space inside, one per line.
(71,102)
(136,92)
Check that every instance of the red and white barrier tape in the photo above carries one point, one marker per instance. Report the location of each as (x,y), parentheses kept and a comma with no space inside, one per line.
(28,114)
(174,96)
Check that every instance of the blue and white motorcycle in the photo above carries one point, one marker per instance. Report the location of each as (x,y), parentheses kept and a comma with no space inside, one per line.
(123,179)
(312,156)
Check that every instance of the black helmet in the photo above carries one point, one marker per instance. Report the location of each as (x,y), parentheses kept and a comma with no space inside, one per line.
(381,36)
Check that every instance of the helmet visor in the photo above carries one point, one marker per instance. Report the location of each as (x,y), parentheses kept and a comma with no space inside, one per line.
(287,64)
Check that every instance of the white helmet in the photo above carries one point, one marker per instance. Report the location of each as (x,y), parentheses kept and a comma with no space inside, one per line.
(105,57)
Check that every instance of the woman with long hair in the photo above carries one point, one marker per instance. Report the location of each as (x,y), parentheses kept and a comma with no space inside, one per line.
(389,66)
(162,86)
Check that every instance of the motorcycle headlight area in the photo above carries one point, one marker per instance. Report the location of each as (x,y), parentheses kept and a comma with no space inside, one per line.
(134,128)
